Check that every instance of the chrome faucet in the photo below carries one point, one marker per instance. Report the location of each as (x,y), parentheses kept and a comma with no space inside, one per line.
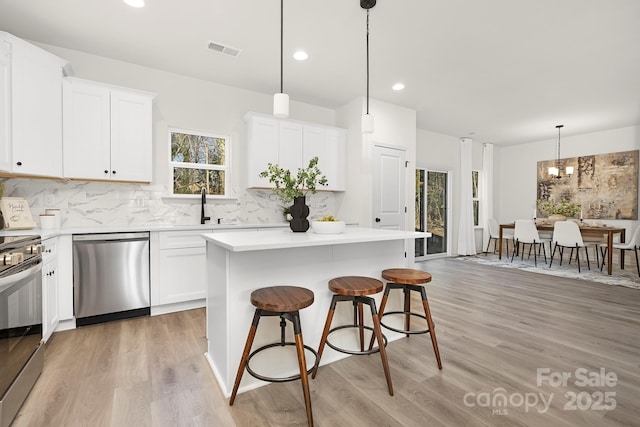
(204,201)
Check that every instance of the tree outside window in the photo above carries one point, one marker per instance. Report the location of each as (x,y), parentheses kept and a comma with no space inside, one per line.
(199,160)
(476,197)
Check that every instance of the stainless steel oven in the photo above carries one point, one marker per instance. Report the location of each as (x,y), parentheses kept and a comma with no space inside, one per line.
(21,349)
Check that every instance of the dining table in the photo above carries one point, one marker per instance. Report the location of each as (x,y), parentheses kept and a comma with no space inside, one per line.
(585,230)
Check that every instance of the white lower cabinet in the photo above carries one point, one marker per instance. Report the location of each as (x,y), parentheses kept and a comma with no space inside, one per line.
(50,290)
(181,275)
(64,275)
(178,269)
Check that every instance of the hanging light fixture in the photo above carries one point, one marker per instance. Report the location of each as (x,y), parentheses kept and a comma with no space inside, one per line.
(367,119)
(281,100)
(555,170)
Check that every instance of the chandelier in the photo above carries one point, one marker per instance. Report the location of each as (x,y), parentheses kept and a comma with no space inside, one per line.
(555,170)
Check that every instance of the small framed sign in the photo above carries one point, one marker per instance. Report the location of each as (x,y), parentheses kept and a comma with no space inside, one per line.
(16,212)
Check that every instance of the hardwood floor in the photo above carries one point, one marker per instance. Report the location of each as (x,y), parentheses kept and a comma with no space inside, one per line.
(496,327)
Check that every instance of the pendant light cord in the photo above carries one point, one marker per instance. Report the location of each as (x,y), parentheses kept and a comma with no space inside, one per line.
(281,45)
(558,157)
(367,61)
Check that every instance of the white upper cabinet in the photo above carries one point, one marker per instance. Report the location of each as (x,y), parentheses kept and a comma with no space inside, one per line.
(291,144)
(107,132)
(335,151)
(31,109)
(262,148)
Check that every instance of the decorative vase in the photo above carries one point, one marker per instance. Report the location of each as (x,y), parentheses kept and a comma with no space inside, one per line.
(299,213)
(556,217)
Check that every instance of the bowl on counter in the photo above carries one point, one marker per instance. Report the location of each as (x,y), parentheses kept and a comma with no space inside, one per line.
(327,227)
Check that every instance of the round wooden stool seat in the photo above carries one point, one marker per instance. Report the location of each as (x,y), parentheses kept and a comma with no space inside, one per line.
(406,276)
(355,285)
(282,299)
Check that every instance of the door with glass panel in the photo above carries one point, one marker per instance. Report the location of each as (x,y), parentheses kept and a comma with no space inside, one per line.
(432,213)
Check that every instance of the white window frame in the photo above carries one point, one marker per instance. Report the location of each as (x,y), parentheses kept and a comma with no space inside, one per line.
(226,168)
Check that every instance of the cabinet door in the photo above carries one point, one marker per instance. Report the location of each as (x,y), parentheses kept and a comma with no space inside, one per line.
(262,148)
(335,149)
(182,275)
(64,276)
(5,106)
(131,140)
(36,111)
(50,312)
(86,130)
(290,146)
(313,146)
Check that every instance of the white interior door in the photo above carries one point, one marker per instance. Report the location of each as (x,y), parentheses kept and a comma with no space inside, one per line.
(389,205)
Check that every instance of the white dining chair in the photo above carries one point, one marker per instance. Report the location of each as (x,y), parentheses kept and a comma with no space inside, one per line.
(566,234)
(632,245)
(596,242)
(494,235)
(526,233)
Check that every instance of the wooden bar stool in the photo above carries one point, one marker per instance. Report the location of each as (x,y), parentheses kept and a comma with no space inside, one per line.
(409,280)
(355,289)
(283,301)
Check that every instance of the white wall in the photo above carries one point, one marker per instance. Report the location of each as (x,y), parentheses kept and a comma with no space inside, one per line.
(394,126)
(515,180)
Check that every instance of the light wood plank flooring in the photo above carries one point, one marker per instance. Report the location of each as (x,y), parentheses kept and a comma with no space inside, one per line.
(495,328)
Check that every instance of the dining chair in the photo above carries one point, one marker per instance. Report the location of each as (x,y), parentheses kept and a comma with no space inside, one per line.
(566,234)
(526,233)
(631,245)
(596,242)
(494,234)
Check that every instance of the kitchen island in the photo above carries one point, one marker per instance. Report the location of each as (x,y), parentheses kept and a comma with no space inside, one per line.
(239,263)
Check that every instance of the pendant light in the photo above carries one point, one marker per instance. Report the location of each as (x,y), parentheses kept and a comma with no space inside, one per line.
(281,100)
(367,119)
(555,170)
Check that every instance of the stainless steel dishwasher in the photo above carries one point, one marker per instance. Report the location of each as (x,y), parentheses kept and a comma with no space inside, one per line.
(110,276)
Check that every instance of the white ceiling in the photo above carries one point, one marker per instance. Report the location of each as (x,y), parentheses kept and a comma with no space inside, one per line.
(507,71)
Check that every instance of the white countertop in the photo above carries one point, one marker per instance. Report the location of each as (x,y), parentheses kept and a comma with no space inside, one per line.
(53,232)
(280,239)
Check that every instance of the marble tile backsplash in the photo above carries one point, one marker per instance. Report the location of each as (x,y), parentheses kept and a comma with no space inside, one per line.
(94,204)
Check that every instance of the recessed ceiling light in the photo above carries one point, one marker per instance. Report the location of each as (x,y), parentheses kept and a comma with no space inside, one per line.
(397,86)
(134,3)
(300,55)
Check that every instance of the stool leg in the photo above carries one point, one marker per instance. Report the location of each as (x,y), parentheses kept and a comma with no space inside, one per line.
(432,328)
(407,309)
(383,304)
(325,333)
(361,325)
(245,355)
(383,352)
(302,362)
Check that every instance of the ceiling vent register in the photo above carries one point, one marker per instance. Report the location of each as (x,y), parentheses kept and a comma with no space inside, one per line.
(225,50)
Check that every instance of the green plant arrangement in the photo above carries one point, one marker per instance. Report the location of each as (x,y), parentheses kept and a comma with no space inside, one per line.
(562,207)
(287,186)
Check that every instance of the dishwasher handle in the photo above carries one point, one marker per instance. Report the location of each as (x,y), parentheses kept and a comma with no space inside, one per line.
(111,236)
